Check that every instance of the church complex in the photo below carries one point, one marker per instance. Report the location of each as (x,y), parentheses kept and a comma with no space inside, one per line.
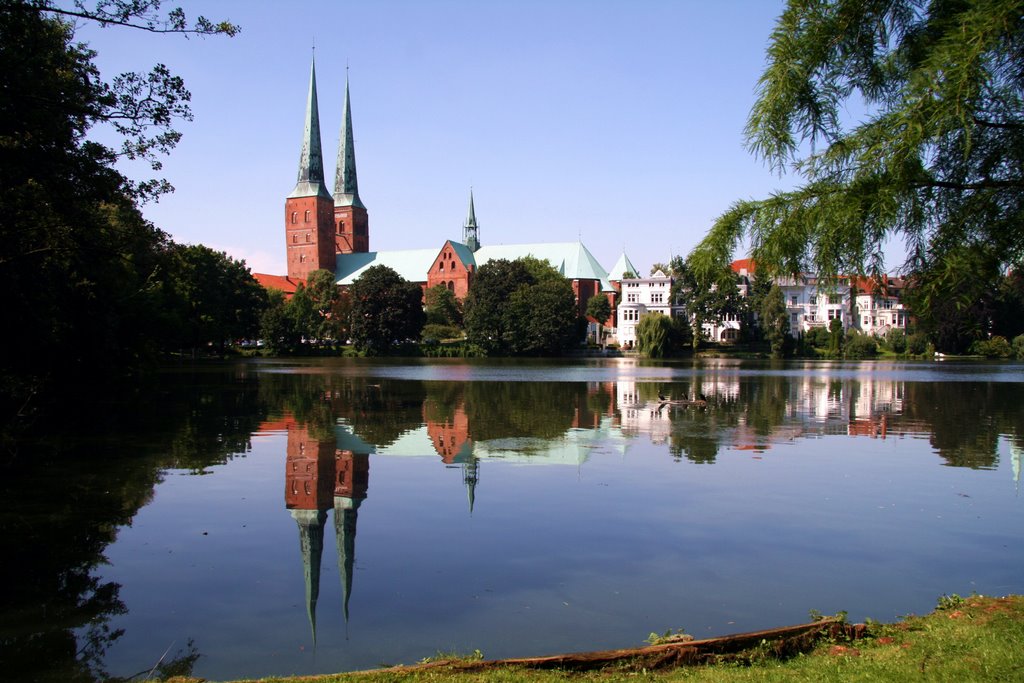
(331,231)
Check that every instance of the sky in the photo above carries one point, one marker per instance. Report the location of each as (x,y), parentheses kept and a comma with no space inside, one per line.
(616,123)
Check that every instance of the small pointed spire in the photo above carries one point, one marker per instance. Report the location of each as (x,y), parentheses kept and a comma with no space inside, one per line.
(470,230)
(470,477)
(311,158)
(346,183)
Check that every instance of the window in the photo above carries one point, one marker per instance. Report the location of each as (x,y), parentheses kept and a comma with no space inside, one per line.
(295,217)
(631,298)
(307,215)
(440,267)
(867,321)
(793,301)
(295,238)
(307,237)
(835,299)
(835,314)
(341,227)
(657,297)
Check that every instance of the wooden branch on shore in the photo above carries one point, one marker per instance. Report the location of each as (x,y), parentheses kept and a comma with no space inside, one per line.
(777,642)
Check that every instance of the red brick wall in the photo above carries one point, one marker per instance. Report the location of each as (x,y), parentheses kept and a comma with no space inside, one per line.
(450,271)
(351,229)
(309,235)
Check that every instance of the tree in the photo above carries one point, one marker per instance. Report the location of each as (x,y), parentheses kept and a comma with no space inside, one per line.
(937,161)
(600,310)
(442,307)
(835,337)
(775,321)
(84,273)
(277,325)
(654,335)
(385,308)
(521,307)
(325,298)
(217,298)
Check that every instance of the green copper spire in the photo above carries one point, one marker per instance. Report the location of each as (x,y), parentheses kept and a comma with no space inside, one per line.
(311,159)
(311,544)
(346,184)
(470,230)
(346,514)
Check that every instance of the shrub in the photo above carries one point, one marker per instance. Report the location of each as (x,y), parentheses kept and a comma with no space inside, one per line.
(896,341)
(917,344)
(861,346)
(1018,346)
(440,332)
(996,347)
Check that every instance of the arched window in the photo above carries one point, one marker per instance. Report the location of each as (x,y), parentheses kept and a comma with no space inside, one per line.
(440,267)
(295,238)
(341,227)
(307,237)
(307,215)
(295,217)
(451,286)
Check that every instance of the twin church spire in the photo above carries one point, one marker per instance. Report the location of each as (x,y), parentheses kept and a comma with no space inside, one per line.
(311,180)
(320,225)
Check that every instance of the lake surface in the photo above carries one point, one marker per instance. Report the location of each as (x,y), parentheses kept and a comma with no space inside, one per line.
(291,517)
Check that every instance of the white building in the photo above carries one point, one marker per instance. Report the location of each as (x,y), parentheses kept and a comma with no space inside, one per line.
(864,304)
(640,296)
(877,306)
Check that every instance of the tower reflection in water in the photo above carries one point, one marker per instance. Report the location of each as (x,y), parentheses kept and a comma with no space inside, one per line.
(319,476)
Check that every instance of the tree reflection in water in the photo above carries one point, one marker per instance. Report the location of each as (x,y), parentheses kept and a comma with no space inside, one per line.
(67,493)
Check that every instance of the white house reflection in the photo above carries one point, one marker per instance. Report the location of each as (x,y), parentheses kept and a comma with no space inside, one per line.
(717,410)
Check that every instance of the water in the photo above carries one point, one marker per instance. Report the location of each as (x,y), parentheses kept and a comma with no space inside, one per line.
(302,517)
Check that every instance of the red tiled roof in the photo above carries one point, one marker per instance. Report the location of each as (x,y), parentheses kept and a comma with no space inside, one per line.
(281,282)
(744,264)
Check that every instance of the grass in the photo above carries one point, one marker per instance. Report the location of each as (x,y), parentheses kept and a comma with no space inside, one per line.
(964,639)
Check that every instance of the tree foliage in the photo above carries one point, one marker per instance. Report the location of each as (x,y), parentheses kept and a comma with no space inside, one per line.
(385,308)
(654,335)
(442,307)
(522,308)
(775,321)
(937,161)
(89,282)
(217,299)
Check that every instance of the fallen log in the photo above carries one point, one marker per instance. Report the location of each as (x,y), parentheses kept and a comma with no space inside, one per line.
(781,642)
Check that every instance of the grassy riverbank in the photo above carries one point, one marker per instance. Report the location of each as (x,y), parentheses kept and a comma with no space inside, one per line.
(971,639)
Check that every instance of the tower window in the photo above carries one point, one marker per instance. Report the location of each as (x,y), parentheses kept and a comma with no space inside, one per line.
(307,236)
(307,215)
(295,238)
(341,227)
(295,217)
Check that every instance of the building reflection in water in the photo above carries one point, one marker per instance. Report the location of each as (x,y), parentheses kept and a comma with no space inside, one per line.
(319,476)
(328,467)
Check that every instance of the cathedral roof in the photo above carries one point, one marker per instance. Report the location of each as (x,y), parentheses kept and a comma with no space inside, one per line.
(412,264)
(621,267)
(572,259)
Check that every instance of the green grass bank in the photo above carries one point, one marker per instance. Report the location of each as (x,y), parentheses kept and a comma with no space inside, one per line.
(964,639)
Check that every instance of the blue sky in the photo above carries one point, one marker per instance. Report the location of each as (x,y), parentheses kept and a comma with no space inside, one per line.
(620,123)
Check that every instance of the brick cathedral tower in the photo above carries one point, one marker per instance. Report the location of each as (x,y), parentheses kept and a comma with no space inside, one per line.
(350,219)
(309,209)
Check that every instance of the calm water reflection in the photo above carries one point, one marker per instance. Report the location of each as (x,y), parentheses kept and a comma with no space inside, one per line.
(277,518)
